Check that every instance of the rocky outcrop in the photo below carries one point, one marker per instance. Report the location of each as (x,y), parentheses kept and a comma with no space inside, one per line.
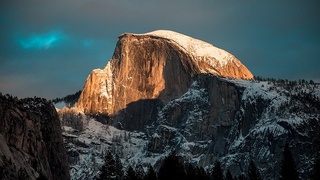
(157,65)
(219,100)
(31,140)
(204,113)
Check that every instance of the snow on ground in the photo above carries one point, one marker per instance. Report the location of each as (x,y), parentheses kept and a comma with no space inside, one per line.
(59,105)
(91,144)
(193,95)
(255,90)
(86,149)
(274,118)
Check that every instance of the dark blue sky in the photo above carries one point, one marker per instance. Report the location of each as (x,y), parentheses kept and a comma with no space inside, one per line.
(48,48)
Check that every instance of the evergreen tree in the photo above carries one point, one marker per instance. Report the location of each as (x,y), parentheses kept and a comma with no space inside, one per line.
(202,174)
(316,168)
(119,168)
(242,177)
(217,172)
(139,171)
(131,174)
(253,172)
(151,174)
(108,169)
(191,172)
(229,175)
(288,169)
(171,168)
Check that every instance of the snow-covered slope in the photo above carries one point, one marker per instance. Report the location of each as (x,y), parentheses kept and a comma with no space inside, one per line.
(273,113)
(86,149)
(233,121)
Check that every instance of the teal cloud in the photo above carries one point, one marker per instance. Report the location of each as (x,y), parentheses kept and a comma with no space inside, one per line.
(42,41)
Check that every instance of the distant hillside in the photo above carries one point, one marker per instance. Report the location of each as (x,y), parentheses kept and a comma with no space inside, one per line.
(69,100)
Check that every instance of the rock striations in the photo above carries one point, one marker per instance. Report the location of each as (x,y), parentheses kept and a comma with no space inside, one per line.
(31,144)
(156,65)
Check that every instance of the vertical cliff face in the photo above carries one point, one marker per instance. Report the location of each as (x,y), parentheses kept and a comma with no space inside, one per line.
(31,141)
(96,95)
(156,65)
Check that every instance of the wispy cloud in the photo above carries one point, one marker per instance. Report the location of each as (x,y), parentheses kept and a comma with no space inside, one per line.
(42,41)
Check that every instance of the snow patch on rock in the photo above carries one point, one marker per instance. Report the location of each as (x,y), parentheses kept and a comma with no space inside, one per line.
(196,47)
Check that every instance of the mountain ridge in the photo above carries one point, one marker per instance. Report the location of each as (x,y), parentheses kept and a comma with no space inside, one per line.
(149,66)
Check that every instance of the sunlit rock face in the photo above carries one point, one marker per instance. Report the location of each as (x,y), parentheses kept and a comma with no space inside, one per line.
(156,65)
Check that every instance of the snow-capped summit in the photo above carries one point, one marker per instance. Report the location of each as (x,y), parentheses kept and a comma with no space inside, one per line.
(196,47)
(155,65)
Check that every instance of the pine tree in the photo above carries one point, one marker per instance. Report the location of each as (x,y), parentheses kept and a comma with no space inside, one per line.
(119,168)
(151,174)
(242,177)
(139,171)
(171,168)
(253,172)
(202,174)
(315,175)
(131,174)
(229,175)
(191,172)
(288,169)
(108,169)
(217,172)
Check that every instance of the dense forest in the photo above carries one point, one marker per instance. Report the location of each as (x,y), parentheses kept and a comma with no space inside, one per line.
(172,168)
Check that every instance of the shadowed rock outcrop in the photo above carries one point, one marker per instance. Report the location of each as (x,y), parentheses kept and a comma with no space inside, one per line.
(31,144)
(201,114)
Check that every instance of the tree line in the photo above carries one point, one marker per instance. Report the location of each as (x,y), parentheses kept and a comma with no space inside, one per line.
(285,81)
(173,169)
(69,100)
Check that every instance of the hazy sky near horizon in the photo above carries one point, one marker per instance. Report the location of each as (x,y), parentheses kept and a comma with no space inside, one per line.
(48,48)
